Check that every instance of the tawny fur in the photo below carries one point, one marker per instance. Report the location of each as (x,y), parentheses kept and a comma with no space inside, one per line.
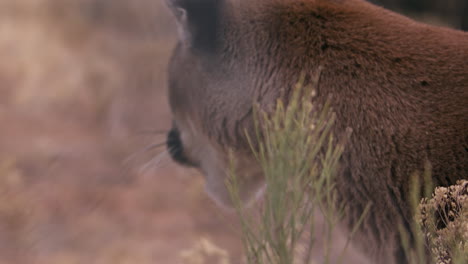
(401,86)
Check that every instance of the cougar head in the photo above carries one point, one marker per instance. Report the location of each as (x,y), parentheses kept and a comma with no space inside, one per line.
(211,99)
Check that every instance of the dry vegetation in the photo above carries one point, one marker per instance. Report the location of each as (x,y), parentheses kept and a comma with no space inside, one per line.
(444,222)
(299,188)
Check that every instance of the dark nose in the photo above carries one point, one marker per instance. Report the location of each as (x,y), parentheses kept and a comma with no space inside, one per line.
(176,148)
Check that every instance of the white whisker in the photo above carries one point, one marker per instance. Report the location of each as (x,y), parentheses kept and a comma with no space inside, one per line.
(144,150)
(154,162)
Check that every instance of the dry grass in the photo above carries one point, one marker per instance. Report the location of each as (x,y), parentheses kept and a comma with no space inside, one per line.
(299,157)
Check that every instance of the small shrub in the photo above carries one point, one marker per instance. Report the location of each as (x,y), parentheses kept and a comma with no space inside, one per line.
(299,157)
(444,223)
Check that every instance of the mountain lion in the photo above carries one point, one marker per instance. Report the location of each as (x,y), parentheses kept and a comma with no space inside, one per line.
(399,85)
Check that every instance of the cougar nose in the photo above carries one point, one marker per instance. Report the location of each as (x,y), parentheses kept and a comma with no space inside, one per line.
(176,148)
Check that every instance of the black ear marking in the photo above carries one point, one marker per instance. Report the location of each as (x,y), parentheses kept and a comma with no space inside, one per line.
(199,22)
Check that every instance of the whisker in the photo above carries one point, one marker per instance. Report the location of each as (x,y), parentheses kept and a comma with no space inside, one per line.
(152,132)
(162,163)
(155,161)
(144,150)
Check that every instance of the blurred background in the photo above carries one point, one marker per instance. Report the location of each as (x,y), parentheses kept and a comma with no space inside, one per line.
(82,93)
(452,13)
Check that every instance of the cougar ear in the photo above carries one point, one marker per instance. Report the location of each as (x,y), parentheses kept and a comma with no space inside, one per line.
(198,22)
